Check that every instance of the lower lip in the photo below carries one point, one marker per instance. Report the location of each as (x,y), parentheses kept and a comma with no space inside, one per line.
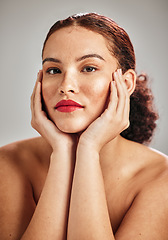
(68,108)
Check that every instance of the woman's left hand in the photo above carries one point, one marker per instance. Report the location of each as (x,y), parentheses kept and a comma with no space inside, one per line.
(113,120)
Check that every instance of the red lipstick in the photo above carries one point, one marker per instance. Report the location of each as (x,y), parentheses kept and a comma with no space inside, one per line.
(67,106)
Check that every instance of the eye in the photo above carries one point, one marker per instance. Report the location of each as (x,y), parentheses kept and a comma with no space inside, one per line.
(89,69)
(53,71)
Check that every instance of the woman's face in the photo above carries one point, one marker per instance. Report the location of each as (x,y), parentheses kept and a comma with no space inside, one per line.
(77,66)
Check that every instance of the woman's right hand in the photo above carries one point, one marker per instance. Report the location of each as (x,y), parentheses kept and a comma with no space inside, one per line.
(43,125)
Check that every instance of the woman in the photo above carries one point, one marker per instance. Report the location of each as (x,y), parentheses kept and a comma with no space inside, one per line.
(88,176)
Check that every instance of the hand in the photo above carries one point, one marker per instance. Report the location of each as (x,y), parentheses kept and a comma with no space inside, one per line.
(113,120)
(42,124)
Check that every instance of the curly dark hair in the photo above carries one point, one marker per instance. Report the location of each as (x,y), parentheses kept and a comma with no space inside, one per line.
(143,116)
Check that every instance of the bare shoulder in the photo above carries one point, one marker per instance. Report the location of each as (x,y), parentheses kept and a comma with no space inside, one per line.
(25,153)
(156,189)
(154,157)
(25,148)
(147,216)
(146,166)
(17,204)
(28,158)
(145,158)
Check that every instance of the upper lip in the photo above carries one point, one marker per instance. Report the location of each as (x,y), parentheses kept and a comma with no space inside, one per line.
(67,103)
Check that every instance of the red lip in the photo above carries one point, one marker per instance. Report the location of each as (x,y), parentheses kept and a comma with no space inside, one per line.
(67,106)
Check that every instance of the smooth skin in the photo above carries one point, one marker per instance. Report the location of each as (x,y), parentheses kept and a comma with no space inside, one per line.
(81,179)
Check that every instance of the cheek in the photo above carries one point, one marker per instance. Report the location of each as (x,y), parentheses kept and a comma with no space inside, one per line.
(48,91)
(99,91)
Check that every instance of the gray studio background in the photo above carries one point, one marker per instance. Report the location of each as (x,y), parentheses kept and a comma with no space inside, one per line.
(23,27)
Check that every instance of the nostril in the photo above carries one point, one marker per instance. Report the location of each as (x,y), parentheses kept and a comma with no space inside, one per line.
(72,91)
(64,91)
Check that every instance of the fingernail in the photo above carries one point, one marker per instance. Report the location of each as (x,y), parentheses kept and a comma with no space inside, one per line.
(120,71)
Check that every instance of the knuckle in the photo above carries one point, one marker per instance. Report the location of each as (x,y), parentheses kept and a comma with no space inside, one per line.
(32,123)
(127,124)
(123,122)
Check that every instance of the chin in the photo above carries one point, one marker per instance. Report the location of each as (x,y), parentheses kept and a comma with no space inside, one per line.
(71,128)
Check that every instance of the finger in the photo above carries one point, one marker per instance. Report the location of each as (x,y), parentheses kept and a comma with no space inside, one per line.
(122,81)
(121,91)
(127,96)
(113,97)
(35,105)
(124,106)
(37,98)
(39,79)
(127,109)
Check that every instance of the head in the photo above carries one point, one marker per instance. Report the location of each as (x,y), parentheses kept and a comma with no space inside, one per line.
(80,55)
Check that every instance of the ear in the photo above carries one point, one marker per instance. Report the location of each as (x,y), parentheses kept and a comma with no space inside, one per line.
(130,80)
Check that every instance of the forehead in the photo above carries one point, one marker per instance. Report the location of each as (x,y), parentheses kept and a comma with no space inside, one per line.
(75,40)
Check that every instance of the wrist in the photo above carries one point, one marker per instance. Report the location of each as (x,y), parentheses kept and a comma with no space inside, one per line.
(63,149)
(88,145)
(63,145)
(87,154)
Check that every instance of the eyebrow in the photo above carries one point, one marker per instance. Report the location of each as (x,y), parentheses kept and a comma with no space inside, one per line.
(90,56)
(78,59)
(51,60)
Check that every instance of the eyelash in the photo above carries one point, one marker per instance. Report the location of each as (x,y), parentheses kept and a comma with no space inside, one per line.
(53,69)
(58,71)
(89,67)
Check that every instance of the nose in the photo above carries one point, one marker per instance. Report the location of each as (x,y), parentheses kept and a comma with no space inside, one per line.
(68,84)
